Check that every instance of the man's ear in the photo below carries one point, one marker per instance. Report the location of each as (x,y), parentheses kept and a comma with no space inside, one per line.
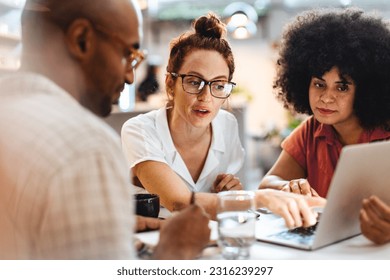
(79,38)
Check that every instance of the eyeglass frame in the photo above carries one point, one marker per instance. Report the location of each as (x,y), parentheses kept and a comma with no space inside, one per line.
(182,76)
(135,56)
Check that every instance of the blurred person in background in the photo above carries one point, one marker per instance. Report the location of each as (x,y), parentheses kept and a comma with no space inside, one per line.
(149,84)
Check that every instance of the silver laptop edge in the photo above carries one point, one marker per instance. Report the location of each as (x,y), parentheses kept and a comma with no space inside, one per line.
(362,170)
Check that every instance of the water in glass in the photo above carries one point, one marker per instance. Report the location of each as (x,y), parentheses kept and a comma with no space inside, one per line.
(236,224)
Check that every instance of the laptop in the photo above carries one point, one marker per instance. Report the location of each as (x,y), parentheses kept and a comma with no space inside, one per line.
(362,170)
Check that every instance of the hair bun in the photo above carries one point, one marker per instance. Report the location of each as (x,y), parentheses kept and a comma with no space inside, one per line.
(210,26)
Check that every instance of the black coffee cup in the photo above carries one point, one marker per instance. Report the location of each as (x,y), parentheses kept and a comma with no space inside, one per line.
(147,205)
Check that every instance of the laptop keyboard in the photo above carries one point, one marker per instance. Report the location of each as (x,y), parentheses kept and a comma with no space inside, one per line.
(302,231)
(300,235)
(306,231)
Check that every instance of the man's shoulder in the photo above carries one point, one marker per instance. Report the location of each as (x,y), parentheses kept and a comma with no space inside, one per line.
(84,128)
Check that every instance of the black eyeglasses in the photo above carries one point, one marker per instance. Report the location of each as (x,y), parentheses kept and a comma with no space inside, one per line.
(194,85)
(133,57)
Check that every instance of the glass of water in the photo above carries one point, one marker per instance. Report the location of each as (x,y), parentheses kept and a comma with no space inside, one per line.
(236,223)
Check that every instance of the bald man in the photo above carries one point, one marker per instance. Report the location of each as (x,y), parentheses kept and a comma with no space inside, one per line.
(64,185)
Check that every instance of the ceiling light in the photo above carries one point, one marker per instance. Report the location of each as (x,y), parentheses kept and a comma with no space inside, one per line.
(241,20)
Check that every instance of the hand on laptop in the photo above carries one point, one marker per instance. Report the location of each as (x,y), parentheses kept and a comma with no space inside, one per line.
(300,186)
(297,210)
(375,220)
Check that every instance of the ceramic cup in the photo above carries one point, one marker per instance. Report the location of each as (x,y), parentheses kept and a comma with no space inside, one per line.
(147,205)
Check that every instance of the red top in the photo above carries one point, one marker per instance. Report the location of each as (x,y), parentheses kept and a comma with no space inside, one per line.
(316,148)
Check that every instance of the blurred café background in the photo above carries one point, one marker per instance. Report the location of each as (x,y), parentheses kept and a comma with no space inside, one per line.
(254,30)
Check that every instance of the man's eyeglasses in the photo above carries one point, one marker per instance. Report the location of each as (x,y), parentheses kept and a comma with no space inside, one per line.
(132,56)
(194,85)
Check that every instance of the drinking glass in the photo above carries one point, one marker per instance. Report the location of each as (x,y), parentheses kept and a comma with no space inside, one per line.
(236,223)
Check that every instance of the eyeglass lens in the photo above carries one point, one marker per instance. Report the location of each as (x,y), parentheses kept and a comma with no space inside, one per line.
(135,58)
(219,89)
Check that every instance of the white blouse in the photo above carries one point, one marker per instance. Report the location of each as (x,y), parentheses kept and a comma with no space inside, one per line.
(147,137)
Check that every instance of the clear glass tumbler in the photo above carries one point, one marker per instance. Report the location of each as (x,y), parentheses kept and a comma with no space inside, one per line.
(236,223)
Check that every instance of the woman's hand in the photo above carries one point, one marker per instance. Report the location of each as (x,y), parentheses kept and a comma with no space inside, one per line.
(375,220)
(295,209)
(226,182)
(300,186)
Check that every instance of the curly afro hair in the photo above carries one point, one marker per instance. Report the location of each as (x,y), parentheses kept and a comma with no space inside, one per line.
(357,43)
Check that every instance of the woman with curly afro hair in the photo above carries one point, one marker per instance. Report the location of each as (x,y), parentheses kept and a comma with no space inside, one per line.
(334,65)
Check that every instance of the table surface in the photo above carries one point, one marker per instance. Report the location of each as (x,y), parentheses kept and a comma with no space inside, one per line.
(357,247)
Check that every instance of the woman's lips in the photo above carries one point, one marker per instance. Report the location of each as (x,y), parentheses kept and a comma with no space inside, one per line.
(325,111)
(202,112)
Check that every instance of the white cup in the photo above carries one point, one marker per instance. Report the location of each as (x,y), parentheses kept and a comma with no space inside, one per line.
(236,223)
